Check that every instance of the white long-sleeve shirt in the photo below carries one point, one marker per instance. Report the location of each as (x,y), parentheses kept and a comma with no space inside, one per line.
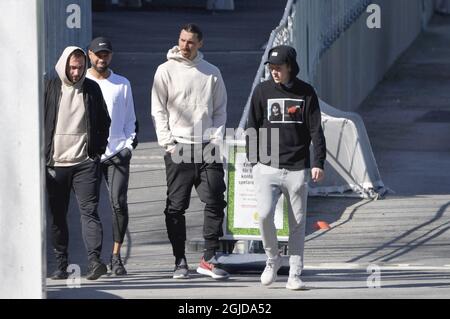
(189,100)
(118,96)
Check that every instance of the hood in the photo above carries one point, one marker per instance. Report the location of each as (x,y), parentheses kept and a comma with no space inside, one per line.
(62,63)
(284,54)
(175,54)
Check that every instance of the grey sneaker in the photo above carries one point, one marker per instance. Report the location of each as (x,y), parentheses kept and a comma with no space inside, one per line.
(181,270)
(209,268)
(269,274)
(295,283)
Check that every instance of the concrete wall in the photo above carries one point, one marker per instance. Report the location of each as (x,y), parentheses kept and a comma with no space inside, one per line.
(22,266)
(33,35)
(350,69)
(67,22)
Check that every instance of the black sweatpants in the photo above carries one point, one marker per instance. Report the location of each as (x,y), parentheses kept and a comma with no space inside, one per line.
(208,179)
(84,179)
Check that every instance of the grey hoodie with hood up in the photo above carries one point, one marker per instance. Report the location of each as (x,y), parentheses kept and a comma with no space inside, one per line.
(70,139)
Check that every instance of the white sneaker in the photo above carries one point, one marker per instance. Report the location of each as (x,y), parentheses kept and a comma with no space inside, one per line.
(295,283)
(269,274)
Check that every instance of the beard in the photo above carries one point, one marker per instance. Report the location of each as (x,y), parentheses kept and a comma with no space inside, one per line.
(101,68)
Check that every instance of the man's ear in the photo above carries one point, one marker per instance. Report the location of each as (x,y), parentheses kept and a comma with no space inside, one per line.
(89,54)
(200,44)
(289,67)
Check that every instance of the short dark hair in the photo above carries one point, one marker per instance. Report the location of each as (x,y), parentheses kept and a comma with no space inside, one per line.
(77,53)
(193,28)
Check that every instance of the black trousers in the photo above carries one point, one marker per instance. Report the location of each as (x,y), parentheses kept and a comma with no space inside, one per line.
(84,179)
(208,179)
(116,171)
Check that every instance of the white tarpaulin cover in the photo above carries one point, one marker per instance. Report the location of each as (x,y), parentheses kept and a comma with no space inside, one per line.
(350,166)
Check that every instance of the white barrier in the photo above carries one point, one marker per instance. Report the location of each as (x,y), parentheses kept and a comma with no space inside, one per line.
(22,265)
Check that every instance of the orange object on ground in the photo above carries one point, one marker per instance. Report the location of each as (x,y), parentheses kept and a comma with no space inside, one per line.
(320,224)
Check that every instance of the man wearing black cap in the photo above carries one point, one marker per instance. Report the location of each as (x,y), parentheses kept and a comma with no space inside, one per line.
(288,170)
(115,161)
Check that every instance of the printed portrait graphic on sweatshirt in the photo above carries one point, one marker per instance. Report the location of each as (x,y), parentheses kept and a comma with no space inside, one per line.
(285,110)
(275,112)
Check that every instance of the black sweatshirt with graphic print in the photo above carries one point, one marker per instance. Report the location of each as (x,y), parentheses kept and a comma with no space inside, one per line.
(295,112)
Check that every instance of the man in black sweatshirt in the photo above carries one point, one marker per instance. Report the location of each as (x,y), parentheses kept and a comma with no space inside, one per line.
(286,168)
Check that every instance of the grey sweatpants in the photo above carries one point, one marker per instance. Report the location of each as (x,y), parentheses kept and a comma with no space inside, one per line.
(270,183)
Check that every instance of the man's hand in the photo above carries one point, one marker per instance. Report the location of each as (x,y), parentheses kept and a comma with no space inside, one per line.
(171,149)
(317,174)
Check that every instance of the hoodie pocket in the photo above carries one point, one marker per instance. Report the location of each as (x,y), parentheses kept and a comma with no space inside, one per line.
(70,148)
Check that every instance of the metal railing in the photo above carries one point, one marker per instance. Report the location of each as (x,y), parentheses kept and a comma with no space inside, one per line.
(283,34)
(312,26)
(324,22)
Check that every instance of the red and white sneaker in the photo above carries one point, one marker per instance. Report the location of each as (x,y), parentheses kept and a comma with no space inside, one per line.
(209,269)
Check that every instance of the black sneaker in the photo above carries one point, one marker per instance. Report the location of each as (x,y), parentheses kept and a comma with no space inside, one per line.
(95,270)
(59,274)
(116,265)
(61,268)
(181,270)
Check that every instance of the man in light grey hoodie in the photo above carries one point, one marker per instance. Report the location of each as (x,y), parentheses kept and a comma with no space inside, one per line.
(76,124)
(189,113)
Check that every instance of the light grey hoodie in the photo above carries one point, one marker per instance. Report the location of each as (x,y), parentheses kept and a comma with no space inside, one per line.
(189,100)
(70,140)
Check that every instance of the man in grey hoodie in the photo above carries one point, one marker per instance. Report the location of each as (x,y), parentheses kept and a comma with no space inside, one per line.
(76,133)
(189,111)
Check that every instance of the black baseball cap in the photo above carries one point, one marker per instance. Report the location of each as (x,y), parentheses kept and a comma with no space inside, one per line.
(284,54)
(281,54)
(100,44)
